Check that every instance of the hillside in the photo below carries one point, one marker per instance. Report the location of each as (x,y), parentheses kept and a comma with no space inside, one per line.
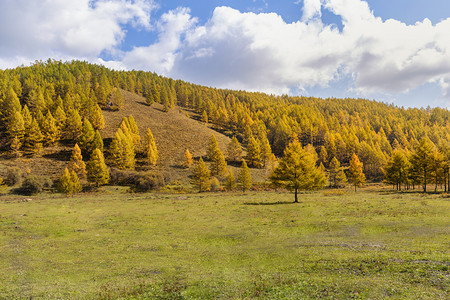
(51,103)
(174,132)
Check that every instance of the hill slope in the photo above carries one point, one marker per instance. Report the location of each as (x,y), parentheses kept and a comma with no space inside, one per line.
(174,132)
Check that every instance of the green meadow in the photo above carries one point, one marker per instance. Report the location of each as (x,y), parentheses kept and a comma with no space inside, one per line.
(372,244)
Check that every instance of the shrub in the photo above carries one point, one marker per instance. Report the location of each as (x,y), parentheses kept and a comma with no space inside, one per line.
(14,176)
(138,181)
(33,185)
(215,185)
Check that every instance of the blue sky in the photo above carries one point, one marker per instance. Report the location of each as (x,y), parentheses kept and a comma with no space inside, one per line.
(396,51)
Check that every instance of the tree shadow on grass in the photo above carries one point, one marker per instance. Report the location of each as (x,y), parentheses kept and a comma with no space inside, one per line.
(270,203)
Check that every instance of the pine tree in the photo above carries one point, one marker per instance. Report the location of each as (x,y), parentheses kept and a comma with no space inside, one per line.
(76,163)
(150,148)
(33,138)
(27,118)
(337,176)
(297,170)
(60,118)
(201,176)
(50,130)
(69,183)
(86,137)
(116,99)
(244,177)
(96,118)
(218,164)
(97,142)
(10,104)
(188,161)
(396,169)
(74,125)
(356,175)
(230,182)
(323,156)
(266,150)
(122,151)
(16,130)
(421,161)
(134,131)
(205,117)
(253,153)
(97,171)
(234,150)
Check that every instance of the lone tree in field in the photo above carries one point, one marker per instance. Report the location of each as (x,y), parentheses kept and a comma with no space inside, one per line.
(356,175)
(245,178)
(97,171)
(297,170)
(150,148)
(201,177)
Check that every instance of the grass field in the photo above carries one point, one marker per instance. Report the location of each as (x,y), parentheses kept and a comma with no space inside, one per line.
(367,245)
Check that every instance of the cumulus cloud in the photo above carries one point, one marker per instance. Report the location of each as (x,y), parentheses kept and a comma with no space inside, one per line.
(233,49)
(263,52)
(160,57)
(34,29)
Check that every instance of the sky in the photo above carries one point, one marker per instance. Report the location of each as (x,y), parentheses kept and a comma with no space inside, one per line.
(394,51)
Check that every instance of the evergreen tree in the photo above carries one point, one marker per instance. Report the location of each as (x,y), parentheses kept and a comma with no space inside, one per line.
(10,104)
(201,176)
(297,170)
(16,131)
(355,172)
(188,161)
(69,183)
(234,150)
(86,137)
(33,138)
(323,156)
(116,99)
(421,161)
(27,118)
(50,130)
(76,163)
(244,177)
(396,170)
(337,176)
(150,148)
(97,171)
(122,151)
(60,118)
(253,153)
(218,164)
(96,118)
(205,117)
(266,150)
(97,142)
(134,131)
(230,182)
(74,125)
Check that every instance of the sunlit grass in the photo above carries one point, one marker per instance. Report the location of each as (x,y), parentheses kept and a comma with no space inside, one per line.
(368,244)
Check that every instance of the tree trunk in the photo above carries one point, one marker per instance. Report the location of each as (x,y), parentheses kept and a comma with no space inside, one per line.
(425,180)
(355,187)
(296,197)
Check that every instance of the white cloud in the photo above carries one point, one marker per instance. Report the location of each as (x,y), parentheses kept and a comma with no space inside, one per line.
(35,29)
(253,51)
(160,57)
(263,52)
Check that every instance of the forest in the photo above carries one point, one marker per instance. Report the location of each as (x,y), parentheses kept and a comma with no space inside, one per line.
(341,140)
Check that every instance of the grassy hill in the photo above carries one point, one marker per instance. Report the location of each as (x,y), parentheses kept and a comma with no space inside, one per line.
(174,132)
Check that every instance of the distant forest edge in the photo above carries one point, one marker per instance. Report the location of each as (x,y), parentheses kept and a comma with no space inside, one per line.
(52,101)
